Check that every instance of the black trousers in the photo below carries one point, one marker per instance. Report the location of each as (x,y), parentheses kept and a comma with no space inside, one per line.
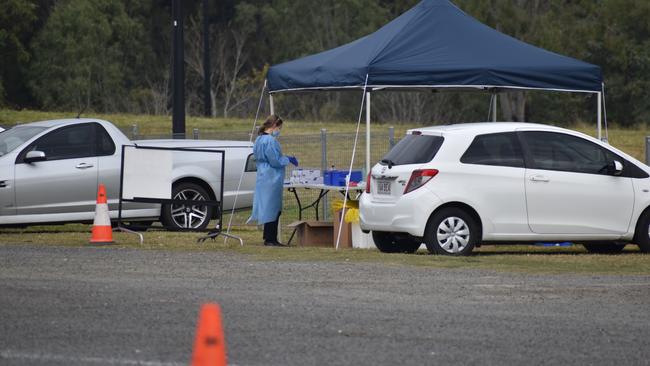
(271,230)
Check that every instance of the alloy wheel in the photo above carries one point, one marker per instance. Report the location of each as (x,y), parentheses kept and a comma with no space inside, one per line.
(189,216)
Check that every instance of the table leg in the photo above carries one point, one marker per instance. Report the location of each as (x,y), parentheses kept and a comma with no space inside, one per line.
(323,193)
(300,209)
(293,190)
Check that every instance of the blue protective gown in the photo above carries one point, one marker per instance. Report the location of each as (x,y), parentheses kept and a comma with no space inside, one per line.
(267,200)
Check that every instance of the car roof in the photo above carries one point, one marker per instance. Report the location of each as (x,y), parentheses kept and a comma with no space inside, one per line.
(59,122)
(194,143)
(483,127)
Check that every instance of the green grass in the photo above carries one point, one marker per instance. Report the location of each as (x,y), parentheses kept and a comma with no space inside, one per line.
(154,125)
(515,258)
(630,140)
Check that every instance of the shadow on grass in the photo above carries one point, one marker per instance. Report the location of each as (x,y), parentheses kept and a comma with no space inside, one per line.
(532,250)
(62,229)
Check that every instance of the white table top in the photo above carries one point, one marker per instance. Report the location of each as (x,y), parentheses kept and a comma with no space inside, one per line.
(359,187)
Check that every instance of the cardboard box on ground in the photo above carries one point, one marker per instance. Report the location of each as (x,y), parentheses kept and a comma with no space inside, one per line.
(323,234)
(346,231)
(313,233)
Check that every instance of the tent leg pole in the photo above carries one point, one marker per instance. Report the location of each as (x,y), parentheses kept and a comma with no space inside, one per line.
(367,132)
(494,107)
(600,116)
(271,105)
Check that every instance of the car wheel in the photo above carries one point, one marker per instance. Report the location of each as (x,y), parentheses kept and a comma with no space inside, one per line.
(187,217)
(388,242)
(642,232)
(451,231)
(604,248)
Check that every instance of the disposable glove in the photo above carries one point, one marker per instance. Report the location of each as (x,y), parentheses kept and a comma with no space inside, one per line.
(293,160)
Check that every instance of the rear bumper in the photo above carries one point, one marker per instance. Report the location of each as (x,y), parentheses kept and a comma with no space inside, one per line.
(409,214)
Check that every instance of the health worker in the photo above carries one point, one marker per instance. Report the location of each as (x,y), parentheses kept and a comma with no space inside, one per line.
(267,200)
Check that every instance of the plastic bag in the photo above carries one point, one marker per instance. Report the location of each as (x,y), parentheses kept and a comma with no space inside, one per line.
(351,209)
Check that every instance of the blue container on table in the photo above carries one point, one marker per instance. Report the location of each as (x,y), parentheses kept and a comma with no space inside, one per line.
(357,176)
(338,178)
(327,177)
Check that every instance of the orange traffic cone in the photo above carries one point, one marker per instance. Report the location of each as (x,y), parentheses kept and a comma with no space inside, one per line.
(102,230)
(210,344)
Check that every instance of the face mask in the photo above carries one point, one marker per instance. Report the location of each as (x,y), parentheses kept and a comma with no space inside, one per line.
(275,133)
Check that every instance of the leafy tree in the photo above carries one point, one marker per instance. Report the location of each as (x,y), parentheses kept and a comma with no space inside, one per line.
(114,55)
(623,51)
(89,55)
(17,17)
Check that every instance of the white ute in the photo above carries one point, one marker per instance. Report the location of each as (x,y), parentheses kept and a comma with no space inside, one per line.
(50,170)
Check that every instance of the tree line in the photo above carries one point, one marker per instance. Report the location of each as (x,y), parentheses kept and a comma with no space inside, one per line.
(115,55)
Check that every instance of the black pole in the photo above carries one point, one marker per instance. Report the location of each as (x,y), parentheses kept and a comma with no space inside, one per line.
(206,60)
(178,72)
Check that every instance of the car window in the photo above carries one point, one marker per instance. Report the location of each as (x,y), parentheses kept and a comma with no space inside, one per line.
(67,143)
(14,137)
(501,149)
(105,144)
(251,164)
(413,149)
(558,151)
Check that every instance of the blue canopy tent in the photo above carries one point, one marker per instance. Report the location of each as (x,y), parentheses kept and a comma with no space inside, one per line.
(435,45)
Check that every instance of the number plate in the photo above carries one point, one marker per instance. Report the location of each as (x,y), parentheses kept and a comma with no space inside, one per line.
(383,187)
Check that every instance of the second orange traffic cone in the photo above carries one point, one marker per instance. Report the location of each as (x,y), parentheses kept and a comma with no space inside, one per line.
(210,344)
(102,230)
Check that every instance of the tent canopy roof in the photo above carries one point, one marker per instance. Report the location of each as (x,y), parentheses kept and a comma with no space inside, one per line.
(436,45)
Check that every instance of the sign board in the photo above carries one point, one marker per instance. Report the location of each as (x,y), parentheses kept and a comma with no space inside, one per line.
(147,173)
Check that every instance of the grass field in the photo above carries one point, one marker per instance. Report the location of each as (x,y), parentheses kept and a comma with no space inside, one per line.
(511,258)
(631,140)
(528,259)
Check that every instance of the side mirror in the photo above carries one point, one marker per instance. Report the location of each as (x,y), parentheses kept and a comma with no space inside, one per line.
(34,156)
(615,168)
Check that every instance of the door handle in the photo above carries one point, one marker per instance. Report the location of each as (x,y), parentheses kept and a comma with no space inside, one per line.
(84,166)
(539,178)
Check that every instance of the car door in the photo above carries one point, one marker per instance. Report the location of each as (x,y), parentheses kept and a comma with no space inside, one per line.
(66,182)
(569,189)
(494,165)
(109,164)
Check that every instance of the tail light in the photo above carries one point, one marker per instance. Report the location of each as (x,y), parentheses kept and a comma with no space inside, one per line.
(419,178)
(368,182)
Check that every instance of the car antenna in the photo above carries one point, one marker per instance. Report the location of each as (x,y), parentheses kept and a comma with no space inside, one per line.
(82,110)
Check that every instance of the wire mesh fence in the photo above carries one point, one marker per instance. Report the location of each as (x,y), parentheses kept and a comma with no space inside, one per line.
(321,150)
(325,151)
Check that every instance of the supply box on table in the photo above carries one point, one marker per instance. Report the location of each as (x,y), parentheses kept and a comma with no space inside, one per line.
(306,176)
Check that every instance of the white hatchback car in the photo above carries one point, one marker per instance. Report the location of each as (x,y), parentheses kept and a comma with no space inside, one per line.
(459,186)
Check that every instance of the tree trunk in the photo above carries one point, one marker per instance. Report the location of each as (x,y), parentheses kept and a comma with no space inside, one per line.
(513,106)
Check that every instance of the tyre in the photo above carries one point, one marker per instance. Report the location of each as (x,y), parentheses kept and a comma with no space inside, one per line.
(388,242)
(187,217)
(642,232)
(451,231)
(604,248)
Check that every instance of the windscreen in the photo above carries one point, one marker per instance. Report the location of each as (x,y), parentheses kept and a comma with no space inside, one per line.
(15,137)
(413,149)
